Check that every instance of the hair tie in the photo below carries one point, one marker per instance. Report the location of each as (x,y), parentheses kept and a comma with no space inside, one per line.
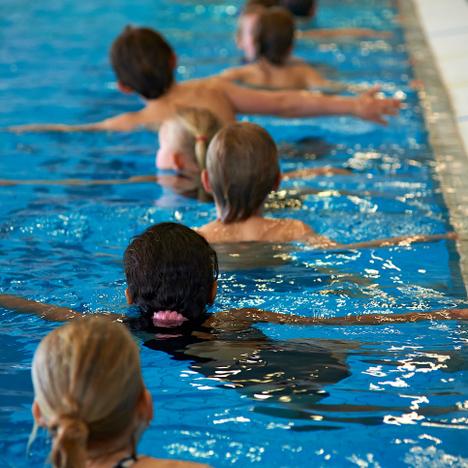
(168,319)
(71,427)
(201,138)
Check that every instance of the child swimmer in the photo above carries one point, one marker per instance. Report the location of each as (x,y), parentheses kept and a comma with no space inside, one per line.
(242,169)
(273,65)
(89,394)
(183,143)
(171,274)
(145,63)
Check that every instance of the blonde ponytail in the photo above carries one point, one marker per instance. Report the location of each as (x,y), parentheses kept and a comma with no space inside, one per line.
(201,147)
(70,437)
(87,384)
(197,127)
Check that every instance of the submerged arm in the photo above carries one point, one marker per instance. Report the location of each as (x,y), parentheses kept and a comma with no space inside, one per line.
(49,312)
(400,241)
(119,123)
(80,182)
(46,311)
(239,318)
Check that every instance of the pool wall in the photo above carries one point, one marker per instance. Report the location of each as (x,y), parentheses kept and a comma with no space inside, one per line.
(436,34)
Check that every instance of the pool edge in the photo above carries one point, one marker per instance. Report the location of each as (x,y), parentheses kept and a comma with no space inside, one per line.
(444,136)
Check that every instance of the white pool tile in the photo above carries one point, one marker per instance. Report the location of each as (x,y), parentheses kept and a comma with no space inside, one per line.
(446,27)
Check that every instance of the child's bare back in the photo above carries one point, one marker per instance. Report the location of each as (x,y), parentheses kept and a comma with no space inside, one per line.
(294,74)
(155,83)
(256,229)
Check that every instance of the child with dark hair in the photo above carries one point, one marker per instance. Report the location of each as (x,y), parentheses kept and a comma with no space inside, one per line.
(172,273)
(274,67)
(302,9)
(242,169)
(144,63)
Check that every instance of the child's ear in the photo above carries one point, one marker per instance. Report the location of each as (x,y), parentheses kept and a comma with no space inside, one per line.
(179,161)
(206,181)
(173,61)
(214,290)
(145,406)
(277,182)
(37,414)
(124,88)
(128,296)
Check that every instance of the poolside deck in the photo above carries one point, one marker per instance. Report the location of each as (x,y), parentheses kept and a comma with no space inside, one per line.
(436,34)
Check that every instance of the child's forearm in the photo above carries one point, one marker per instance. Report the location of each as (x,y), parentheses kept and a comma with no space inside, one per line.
(400,240)
(343,32)
(119,123)
(79,182)
(46,311)
(243,316)
(56,128)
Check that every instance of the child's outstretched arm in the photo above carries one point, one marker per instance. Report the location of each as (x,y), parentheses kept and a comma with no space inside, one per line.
(119,123)
(303,103)
(400,240)
(343,32)
(46,311)
(80,182)
(240,318)
(49,312)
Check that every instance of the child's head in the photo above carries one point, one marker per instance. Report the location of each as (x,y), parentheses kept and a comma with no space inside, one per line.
(89,391)
(246,25)
(143,62)
(170,267)
(242,169)
(274,35)
(184,139)
(303,8)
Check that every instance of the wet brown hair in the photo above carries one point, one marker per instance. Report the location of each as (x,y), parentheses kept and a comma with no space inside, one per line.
(303,8)
(243,168)
(261,3)
(274,35)
(143,61)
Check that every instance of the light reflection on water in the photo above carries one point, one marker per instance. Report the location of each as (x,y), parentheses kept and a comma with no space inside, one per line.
(291,396)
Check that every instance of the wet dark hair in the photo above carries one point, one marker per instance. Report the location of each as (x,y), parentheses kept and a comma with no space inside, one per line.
(243,168)
(170,267)
(274,35)
(143,61)
(304,8)
(262,3)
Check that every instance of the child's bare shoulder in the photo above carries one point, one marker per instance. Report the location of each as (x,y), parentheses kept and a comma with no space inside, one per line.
(287,230)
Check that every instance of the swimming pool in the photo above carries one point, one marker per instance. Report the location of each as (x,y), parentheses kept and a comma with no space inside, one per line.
(390,395)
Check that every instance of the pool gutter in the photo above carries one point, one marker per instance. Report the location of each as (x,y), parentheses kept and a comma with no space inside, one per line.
(449,151)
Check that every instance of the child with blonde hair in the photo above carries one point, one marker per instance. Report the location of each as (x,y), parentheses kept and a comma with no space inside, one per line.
(183,144)
(90,395)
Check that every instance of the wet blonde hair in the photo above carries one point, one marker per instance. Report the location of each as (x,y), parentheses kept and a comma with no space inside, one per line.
(192,130)
(87,383)
(243,168)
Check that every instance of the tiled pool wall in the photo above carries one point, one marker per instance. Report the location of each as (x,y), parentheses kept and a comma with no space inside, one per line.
(437,34)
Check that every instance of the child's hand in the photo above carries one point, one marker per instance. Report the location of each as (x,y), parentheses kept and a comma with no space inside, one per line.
(370,107)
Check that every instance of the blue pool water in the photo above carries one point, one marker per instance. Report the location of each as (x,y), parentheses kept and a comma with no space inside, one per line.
(380,396)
